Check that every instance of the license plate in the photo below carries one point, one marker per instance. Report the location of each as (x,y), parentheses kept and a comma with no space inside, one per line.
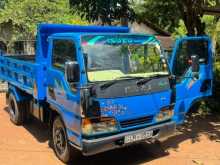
(138,137)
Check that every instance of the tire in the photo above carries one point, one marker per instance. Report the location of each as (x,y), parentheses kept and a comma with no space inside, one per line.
(16,110)
(61,146)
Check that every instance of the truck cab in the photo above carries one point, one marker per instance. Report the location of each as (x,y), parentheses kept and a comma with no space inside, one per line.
(110,86)
(101,88)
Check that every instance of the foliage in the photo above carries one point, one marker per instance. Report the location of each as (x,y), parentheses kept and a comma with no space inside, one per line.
(2,3)
(168,14)
(191,13)
(210,28)
(105,11)
(162,13)
(180,31)
(24,15)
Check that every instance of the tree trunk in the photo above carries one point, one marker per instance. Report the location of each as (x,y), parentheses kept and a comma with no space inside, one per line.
(124,15)
(191,11)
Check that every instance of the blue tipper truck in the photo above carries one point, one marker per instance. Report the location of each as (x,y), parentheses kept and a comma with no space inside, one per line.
(101,88)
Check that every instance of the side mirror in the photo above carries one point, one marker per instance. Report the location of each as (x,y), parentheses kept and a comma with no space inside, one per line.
(72,72)
(195,65)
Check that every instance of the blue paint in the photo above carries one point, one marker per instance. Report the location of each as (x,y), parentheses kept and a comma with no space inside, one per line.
(187,94)
(23,75)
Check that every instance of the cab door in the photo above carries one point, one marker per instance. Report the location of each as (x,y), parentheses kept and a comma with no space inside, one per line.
(62,96)
(191,84)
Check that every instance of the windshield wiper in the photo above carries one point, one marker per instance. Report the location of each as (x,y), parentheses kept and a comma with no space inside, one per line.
(110,83)
(147,79)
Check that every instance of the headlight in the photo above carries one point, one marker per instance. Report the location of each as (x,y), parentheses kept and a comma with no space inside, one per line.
(165,114)
(97,126)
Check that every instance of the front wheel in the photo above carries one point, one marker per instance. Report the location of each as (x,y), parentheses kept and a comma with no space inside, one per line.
(61,146)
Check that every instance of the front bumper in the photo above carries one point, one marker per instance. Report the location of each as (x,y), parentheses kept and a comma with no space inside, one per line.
(91,147)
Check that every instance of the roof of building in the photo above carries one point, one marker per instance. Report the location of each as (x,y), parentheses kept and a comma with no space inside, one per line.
(142,25)
(157,29)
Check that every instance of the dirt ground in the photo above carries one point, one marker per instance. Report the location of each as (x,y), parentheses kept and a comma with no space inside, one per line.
(196,143)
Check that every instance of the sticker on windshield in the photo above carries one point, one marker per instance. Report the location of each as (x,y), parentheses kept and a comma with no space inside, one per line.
(118,39)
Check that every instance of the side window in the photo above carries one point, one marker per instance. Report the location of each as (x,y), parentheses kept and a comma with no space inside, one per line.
(63,51)
(186,49)
(181,63)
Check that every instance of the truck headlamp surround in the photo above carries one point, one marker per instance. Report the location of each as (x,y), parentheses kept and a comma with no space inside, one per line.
(165,113)
(98,126)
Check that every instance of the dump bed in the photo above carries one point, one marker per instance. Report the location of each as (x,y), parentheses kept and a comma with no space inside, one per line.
(20,71)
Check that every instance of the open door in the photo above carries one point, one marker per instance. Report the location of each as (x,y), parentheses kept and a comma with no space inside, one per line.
(191,63)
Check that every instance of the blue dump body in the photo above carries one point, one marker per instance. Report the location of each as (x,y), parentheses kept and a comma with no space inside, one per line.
(109,87)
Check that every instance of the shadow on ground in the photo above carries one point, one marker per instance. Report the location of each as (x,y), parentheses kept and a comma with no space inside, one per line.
(195,125)
(36,128)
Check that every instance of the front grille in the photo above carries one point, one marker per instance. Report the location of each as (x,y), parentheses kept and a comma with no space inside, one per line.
(135,122)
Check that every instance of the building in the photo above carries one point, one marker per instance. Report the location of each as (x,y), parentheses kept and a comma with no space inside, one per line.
(145,26)
(17,47)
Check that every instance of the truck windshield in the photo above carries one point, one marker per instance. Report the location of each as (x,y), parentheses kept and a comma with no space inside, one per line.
(110,57)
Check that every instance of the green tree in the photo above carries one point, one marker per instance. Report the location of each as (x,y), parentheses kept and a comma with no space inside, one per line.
(23,16)
(180,31)
(2,3)
(168,13)
(105,11)
(213,29)
(163,13)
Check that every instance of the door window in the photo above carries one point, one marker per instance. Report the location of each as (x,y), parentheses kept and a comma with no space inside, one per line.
(186,49)
(63,51)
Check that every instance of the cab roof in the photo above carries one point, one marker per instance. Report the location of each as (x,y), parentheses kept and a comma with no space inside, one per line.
(46,30)
(85,34)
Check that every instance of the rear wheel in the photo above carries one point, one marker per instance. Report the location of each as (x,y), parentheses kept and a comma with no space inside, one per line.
(16,110)
(61,146)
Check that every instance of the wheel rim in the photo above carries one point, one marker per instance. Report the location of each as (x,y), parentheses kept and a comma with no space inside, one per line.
(12,108)
(60,141)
